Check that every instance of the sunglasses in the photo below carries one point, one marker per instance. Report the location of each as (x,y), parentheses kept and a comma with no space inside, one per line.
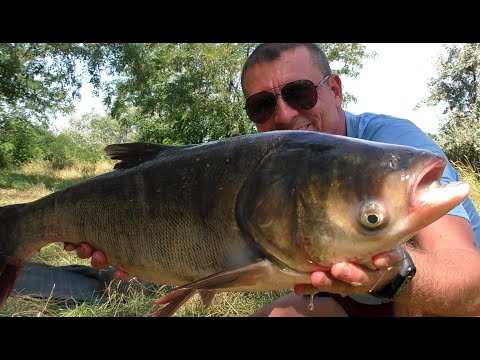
(299,94)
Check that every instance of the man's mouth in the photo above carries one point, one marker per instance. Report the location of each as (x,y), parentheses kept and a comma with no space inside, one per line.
(303,127)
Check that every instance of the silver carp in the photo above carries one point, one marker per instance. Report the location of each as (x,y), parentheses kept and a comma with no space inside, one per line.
(251,213)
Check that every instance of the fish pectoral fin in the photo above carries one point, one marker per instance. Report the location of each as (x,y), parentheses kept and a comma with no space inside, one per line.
(242,277)
(239,278)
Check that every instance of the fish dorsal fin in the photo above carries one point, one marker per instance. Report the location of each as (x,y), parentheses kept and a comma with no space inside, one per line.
(133,154)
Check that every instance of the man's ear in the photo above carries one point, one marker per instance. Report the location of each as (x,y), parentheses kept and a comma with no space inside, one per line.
(335,84)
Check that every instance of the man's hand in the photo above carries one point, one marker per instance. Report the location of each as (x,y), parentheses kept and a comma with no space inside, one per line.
(99,259)
(348,278)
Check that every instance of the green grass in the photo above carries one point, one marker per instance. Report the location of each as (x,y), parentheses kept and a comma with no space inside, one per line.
(471,174)
(128,298)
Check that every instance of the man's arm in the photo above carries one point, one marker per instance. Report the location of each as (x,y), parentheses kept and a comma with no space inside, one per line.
(448,270)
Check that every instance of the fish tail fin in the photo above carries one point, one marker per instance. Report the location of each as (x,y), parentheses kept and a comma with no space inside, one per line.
(8,275)
(9,265)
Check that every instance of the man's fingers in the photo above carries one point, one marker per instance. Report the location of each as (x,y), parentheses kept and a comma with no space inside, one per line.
(344,279)
(84,251)
(99,260)
(387,259)
(321,279)
(69,246)
(348,278)
(352,274)
(121,275)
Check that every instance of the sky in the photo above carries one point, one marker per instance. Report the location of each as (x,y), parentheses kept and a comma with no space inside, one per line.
(396,81)
(392,84)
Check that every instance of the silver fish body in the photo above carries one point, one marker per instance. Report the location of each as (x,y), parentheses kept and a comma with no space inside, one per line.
(266,209)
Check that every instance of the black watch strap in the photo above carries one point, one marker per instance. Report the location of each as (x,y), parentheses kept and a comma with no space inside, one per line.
(394,289)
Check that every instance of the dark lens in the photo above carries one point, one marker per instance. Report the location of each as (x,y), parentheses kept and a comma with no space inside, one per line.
(301,94)
(261,106)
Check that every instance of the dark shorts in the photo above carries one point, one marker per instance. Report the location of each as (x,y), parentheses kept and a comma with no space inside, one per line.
(356,309)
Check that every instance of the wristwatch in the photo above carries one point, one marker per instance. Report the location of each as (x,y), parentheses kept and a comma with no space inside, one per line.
(395,288)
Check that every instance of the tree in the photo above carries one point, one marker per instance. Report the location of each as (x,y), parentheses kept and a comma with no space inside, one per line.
(457,80)
(456,83)
(169,93)
(96,131)
(40,79)
(459,138)
(19,139)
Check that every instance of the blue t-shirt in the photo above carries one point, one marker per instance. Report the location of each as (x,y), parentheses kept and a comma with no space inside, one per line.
(392,130)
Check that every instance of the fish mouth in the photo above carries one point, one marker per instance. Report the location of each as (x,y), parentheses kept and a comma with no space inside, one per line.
(426,189)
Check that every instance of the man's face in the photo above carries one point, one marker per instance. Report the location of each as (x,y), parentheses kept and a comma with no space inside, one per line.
(295,64)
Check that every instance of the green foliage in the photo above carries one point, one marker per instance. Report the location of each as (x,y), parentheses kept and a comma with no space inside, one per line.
(22,142)
(458,79)
(459,137)
(63,151)
(183,93)
(19,140)
(456,83)
(170,93)
(42,79)
(84,140)
(95,131)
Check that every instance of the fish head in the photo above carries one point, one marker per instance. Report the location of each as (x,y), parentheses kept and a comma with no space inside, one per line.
(323,199)
(373,198)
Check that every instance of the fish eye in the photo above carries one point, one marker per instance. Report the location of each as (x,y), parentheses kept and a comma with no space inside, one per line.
(372,215)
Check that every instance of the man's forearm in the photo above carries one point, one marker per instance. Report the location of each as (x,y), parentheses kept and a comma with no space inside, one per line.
(447,283)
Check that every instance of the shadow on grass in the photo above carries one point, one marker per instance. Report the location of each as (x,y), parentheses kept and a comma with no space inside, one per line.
(21,182)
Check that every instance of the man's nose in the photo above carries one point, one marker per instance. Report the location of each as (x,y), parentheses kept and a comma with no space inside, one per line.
(284,114)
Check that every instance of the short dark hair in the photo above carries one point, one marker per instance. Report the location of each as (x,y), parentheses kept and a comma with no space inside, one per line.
(272,51)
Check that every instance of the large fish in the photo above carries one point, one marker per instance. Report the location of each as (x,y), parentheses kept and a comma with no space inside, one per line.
(251,213)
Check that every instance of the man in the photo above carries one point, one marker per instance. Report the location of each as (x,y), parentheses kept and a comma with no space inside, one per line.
(291,87)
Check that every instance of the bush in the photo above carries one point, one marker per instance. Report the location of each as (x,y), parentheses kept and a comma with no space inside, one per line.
(63,151)
(19,141)
(459,137)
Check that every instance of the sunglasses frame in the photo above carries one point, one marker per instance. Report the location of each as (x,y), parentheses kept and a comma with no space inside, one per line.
(320,83)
